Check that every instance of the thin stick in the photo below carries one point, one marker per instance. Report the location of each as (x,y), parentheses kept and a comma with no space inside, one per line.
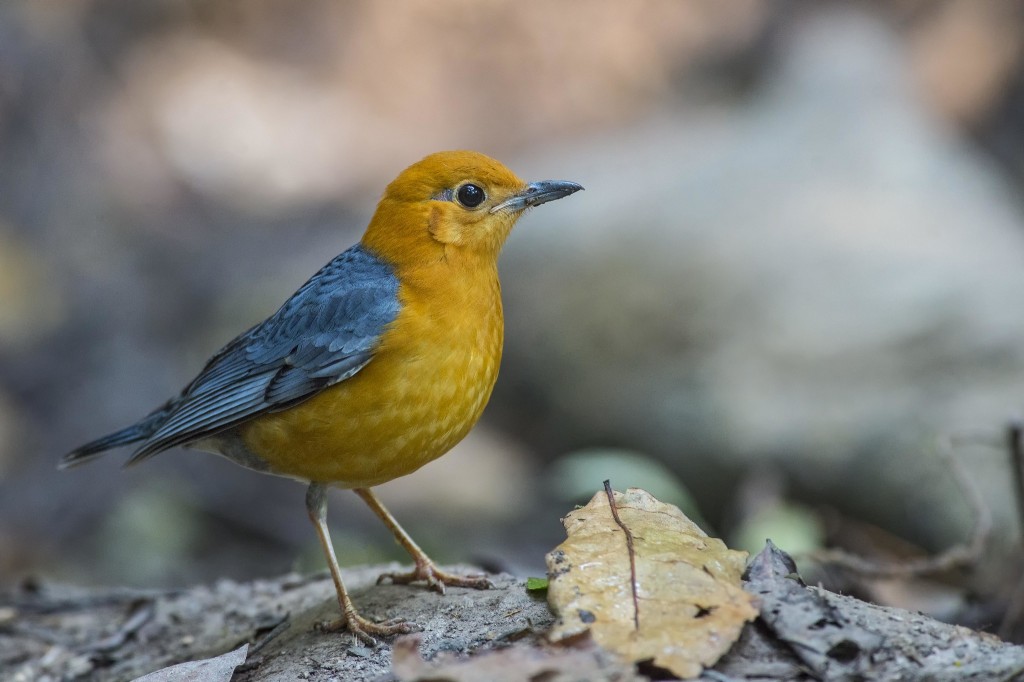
(1014,435)
(629,548)
(1015,450)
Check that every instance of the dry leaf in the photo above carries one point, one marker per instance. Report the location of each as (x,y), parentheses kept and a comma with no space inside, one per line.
(217,669)
(647,583)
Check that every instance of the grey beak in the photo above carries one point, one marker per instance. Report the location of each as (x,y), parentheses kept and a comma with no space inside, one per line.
(537,193)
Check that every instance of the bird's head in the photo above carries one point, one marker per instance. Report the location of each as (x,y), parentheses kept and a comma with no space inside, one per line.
(458,202)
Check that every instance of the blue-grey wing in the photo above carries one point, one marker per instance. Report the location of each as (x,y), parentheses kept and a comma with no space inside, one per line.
(325,333)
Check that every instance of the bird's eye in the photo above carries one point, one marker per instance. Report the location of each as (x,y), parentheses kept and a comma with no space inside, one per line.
(470,195)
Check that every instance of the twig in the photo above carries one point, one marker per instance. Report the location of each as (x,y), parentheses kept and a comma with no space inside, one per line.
(38,632)
(1013,613)
(1015,449)
(141,613)
(962,554)
(273,632)
(41,603)
(632,553)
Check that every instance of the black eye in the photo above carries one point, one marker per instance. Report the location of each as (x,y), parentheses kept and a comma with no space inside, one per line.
(470,195)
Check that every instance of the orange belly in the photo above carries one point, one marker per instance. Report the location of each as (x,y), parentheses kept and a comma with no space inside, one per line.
(422,392)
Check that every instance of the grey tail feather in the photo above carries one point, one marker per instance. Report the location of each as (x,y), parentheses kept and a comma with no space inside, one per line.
(146,451)
(93,449)
(138,431)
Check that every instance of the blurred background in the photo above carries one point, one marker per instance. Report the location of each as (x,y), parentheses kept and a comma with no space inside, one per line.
(797,266)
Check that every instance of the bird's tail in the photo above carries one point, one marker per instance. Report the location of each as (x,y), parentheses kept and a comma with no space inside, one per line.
(135,433)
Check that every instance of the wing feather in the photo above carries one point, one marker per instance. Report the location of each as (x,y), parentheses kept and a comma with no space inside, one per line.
(325,333)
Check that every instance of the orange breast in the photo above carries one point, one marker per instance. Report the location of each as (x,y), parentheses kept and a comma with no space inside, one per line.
(420,395)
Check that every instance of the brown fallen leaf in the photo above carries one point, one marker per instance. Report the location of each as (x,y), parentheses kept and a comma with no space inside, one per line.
(647,583)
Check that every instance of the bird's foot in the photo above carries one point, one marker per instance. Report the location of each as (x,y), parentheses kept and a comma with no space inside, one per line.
(367,631)
(435,578)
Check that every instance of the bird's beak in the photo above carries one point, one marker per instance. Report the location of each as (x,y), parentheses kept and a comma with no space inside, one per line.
(537,193)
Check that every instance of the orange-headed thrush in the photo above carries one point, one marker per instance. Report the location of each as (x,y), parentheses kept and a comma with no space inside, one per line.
(378,364)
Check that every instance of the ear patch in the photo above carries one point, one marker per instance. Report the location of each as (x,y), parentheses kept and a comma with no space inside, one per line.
(444,231)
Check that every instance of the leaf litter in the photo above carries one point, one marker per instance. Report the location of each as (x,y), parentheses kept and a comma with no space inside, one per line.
(647,583)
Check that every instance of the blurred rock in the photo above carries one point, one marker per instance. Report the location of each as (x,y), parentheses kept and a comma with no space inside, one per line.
(256,134)
(827,281)
(792,526)
(963,55)
(483,476)
(149,534)
(576,476)
(10,434)
(262,122)
(30,303)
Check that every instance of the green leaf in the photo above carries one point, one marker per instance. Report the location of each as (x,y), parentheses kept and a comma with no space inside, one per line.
(536,584)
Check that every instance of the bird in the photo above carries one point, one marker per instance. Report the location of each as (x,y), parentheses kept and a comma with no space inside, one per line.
(380,363)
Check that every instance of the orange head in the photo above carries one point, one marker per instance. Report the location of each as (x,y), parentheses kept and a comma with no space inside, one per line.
(452,204)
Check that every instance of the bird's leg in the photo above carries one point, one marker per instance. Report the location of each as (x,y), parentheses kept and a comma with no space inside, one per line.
(365,630)
(426,569)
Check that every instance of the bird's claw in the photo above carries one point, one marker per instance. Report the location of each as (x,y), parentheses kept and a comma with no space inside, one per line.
(367,631)
(436,579)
